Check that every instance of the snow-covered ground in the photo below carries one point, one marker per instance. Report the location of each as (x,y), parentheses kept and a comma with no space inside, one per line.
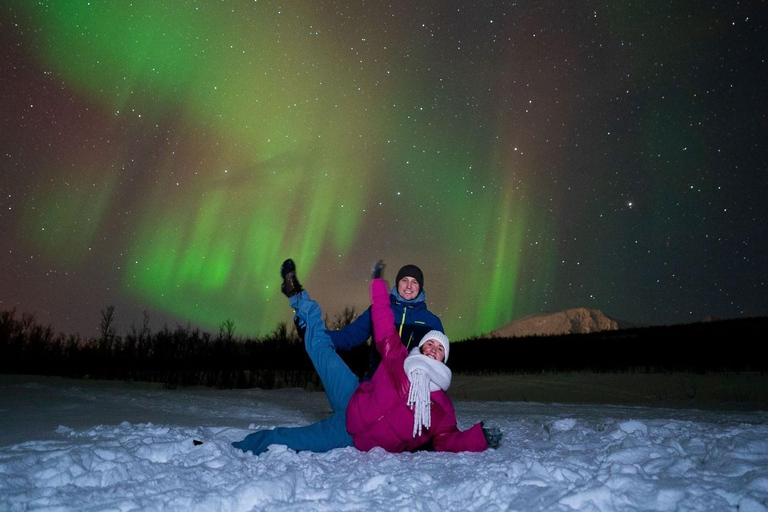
(78,445)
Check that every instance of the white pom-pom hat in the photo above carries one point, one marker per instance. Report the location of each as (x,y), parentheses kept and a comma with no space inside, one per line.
(437,336)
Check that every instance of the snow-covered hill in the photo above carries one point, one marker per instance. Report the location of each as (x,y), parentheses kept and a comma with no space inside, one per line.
(570,321)
(73,445)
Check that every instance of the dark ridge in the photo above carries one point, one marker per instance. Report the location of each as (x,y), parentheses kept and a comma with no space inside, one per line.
(716,346)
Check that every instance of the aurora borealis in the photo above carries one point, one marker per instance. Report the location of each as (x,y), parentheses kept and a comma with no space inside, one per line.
(528,156)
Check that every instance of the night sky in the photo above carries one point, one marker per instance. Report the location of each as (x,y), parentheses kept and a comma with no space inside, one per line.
(531,156)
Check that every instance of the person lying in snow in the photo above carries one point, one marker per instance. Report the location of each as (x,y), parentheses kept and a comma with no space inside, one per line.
(402,408)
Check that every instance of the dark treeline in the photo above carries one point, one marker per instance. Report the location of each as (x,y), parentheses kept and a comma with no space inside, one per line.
(176,357)
(718,346)
(187,357)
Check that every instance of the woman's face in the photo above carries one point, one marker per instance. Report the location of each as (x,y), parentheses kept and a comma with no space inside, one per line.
(433,349)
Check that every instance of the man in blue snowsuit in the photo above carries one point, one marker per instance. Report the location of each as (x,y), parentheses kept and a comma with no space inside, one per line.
(412,318)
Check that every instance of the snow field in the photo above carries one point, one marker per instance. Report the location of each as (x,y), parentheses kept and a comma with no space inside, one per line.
(553,458)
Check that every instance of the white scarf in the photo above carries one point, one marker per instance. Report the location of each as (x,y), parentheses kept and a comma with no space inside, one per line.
(426,375)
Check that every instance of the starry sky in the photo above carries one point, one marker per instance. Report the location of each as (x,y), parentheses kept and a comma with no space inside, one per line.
(166,156)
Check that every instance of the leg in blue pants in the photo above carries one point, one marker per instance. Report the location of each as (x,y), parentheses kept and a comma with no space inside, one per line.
(339,383)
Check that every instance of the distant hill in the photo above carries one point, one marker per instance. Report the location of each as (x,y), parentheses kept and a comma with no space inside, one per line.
(571,321)
(716,346)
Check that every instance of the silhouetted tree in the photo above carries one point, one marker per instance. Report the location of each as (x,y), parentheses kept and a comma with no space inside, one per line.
(105,326)
(227,329)
(342,319)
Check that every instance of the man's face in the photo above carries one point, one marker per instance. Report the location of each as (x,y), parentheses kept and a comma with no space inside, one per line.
(433,349)
(408,288)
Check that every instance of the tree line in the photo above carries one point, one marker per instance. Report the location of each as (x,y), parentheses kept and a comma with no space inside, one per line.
(180,356)
(185,356)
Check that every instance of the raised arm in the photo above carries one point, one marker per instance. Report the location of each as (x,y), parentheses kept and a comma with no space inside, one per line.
(388,343)
(384,332)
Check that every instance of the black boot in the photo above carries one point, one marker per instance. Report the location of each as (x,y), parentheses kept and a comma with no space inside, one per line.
(290,286)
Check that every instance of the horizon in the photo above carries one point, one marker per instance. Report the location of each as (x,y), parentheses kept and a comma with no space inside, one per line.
(154,327)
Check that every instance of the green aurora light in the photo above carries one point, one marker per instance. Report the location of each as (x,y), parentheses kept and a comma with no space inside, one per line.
(276,146)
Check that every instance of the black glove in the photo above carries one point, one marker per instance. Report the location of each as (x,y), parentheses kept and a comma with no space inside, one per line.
(492,436)
(378,269)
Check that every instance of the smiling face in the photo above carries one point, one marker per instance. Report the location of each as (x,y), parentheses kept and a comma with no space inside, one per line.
(408,288)
(433,349)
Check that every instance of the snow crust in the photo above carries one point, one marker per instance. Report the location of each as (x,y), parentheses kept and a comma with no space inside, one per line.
(70,445)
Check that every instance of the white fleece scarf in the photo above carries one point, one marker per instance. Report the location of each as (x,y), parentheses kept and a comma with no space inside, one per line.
(426,375)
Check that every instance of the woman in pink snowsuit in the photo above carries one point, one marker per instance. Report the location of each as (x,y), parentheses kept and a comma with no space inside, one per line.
(402,408)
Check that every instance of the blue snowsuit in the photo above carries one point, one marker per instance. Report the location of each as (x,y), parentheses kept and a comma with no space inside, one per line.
(412,320)
(339,383)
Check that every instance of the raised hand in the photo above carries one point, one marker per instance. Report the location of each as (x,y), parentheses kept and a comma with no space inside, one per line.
(378,269)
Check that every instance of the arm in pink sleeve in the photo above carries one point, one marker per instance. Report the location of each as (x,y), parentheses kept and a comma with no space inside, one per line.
(383,319)
(388,343)
(446,437)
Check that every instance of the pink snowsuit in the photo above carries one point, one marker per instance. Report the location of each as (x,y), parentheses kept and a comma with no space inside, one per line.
(377,414)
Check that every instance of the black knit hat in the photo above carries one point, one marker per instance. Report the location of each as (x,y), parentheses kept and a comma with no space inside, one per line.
(411,271)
